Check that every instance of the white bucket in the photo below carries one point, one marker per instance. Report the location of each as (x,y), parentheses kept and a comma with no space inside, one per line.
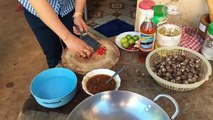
(163,40)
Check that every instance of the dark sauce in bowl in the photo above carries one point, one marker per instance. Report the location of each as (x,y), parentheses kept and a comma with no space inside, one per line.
(98,84)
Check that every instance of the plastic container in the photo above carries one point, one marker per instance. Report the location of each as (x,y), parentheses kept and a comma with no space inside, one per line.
(54,87)
(163,51)
(169,31)
(144,5)
(207,49)
(170,39)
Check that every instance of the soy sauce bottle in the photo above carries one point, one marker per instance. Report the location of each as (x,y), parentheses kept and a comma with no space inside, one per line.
(147,36)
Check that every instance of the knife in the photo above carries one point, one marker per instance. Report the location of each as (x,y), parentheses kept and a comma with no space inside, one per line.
(88,39)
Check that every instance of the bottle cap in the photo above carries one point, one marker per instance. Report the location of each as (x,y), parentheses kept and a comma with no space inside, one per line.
(149,13)
(210,30)
(146,4)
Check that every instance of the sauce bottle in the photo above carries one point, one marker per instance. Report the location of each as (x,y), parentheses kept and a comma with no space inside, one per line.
(147,36)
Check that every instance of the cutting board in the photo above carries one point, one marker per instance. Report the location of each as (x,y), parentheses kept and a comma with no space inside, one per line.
(83,66)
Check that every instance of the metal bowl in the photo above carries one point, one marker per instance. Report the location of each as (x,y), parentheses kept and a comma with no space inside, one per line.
(121,105)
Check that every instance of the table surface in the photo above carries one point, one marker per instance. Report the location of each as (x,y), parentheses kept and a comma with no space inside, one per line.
(194,105)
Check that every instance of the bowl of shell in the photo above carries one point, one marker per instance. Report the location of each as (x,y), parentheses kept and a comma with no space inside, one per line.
(178,68)
(95,81)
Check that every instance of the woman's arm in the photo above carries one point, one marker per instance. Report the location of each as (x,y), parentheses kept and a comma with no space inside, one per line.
(50,18)
(78,20)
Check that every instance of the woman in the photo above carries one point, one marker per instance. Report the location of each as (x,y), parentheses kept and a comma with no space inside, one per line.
(52,20)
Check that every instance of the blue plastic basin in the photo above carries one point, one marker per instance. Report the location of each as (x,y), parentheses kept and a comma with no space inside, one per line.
(54,87)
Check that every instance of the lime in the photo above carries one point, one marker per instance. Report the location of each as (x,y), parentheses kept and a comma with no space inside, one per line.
(131,41)
(128,36)
(123,40)
(125,45)
(136,37)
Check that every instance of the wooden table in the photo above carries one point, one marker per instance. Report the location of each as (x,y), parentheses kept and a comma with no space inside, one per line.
(194,105)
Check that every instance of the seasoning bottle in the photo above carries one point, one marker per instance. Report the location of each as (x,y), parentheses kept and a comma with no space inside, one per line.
(147,36)
(169,31)
(144,6)
(203,26)
(207,49)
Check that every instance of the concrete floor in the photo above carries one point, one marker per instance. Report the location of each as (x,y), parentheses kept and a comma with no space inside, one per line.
(21,59)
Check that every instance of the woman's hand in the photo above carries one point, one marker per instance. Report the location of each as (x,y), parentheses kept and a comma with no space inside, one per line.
(79,47)
(47,14)
(81,24)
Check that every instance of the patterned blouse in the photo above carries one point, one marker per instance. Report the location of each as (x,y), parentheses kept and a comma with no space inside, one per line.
(61,7)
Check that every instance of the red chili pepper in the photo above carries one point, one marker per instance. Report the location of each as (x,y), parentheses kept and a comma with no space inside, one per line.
(101,50)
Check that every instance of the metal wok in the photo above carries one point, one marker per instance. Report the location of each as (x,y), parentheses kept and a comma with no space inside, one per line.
(121,105)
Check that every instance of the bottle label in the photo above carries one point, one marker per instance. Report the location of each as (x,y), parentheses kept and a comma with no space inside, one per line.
(147,41)
(202,27)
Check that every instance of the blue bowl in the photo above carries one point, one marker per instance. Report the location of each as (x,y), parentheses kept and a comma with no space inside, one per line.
(54,87)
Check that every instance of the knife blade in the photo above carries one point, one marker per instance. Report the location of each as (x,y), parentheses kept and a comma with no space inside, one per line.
(88,39)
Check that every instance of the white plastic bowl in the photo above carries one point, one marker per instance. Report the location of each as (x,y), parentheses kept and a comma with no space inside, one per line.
(98,72)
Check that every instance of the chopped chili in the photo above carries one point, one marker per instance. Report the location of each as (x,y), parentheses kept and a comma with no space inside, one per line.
(101,50)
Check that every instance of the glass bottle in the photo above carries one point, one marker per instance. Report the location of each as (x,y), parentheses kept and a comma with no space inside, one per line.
(147,36)
(169,31)
(207,49)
